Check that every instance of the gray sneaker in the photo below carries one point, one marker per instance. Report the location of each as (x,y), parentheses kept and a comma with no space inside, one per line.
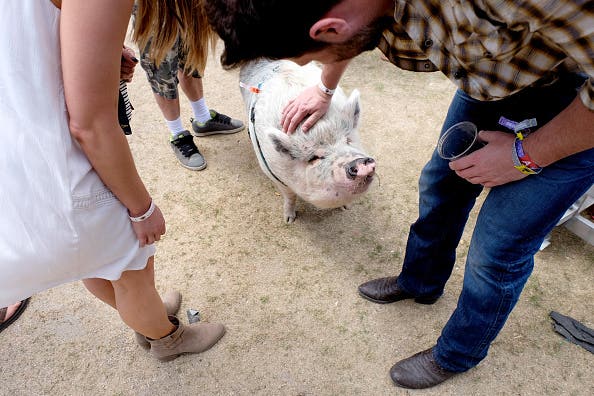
(218,124)
(186,151)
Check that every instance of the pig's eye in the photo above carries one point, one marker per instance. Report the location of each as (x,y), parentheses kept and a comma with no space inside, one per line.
(314,158)
(349,141)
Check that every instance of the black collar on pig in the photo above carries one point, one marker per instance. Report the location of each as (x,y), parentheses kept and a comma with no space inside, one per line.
(252,124)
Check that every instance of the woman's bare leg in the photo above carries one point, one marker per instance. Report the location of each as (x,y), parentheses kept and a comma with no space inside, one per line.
(139,304)
(102,289)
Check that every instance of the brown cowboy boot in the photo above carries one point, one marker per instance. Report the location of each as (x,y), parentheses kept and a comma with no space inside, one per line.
(419,371)
(194,338)
(172,302)
(386,290)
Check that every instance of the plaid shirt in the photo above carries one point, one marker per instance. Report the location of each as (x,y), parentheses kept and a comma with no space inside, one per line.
(493,48)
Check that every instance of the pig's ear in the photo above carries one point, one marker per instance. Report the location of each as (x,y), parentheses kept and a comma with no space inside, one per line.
(281,141)
(353,108)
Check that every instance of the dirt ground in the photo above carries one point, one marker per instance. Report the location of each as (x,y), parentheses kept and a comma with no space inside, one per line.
(288,293)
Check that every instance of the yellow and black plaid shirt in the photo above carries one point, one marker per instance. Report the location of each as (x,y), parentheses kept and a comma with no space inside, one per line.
(494,48)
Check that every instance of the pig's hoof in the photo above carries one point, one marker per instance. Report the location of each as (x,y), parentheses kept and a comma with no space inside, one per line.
(346,207)
(290,218)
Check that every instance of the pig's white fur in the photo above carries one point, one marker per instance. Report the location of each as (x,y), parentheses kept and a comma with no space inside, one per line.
(279,82)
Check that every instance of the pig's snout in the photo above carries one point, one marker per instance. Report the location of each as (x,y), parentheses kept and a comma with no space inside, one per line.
(361,167)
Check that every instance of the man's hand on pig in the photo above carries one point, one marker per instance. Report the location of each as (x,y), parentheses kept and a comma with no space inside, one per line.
(492,165)
(311,103)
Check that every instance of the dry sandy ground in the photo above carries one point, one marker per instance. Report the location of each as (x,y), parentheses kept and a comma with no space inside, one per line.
(288,293)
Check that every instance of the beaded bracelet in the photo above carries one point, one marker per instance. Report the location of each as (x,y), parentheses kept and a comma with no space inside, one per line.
(146,214)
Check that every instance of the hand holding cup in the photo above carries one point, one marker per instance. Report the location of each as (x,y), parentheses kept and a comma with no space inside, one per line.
(459,140)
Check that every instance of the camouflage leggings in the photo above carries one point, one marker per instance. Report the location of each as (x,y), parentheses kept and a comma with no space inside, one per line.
(163,78)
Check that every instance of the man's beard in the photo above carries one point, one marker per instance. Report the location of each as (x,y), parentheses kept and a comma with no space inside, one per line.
(365,40)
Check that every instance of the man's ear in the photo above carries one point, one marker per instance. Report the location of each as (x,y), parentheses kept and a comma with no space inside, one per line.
(330,30)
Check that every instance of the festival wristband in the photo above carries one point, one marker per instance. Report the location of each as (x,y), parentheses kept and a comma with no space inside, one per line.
(325,89)
(522,161)
(146,214)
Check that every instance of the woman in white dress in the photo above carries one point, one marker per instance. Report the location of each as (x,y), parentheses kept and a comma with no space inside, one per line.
(72,205)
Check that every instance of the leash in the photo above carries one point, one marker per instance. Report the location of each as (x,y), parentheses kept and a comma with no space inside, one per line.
(256,90)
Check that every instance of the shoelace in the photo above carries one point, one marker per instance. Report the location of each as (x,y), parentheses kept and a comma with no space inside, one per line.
(221,118)
(186,145)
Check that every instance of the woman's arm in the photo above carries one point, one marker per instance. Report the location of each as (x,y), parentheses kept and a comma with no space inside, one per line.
(92,33)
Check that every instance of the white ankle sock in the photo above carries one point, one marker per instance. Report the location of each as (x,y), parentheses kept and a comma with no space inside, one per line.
(201,111)
(175,126)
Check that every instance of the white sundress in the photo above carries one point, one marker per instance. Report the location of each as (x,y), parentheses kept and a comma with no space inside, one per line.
(58,221)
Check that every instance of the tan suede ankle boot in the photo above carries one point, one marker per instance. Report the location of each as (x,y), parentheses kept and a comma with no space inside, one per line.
(194,338)
(172,302)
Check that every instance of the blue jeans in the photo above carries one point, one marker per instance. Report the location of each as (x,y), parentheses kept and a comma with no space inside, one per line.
(511,225)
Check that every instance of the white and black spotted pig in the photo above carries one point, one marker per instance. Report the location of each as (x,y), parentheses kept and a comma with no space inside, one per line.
(325,166)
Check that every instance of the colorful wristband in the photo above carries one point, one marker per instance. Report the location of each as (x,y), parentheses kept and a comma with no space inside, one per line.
(146,214)
(522,160)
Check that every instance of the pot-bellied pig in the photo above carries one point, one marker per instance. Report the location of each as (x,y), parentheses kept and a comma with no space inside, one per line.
(325,166)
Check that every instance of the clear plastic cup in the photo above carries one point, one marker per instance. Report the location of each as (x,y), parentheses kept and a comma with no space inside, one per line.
(459,140)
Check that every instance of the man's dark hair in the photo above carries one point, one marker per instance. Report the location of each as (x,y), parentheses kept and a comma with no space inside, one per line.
(273,29)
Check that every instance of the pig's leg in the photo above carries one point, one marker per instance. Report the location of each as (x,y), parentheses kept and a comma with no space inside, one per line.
(289,205)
